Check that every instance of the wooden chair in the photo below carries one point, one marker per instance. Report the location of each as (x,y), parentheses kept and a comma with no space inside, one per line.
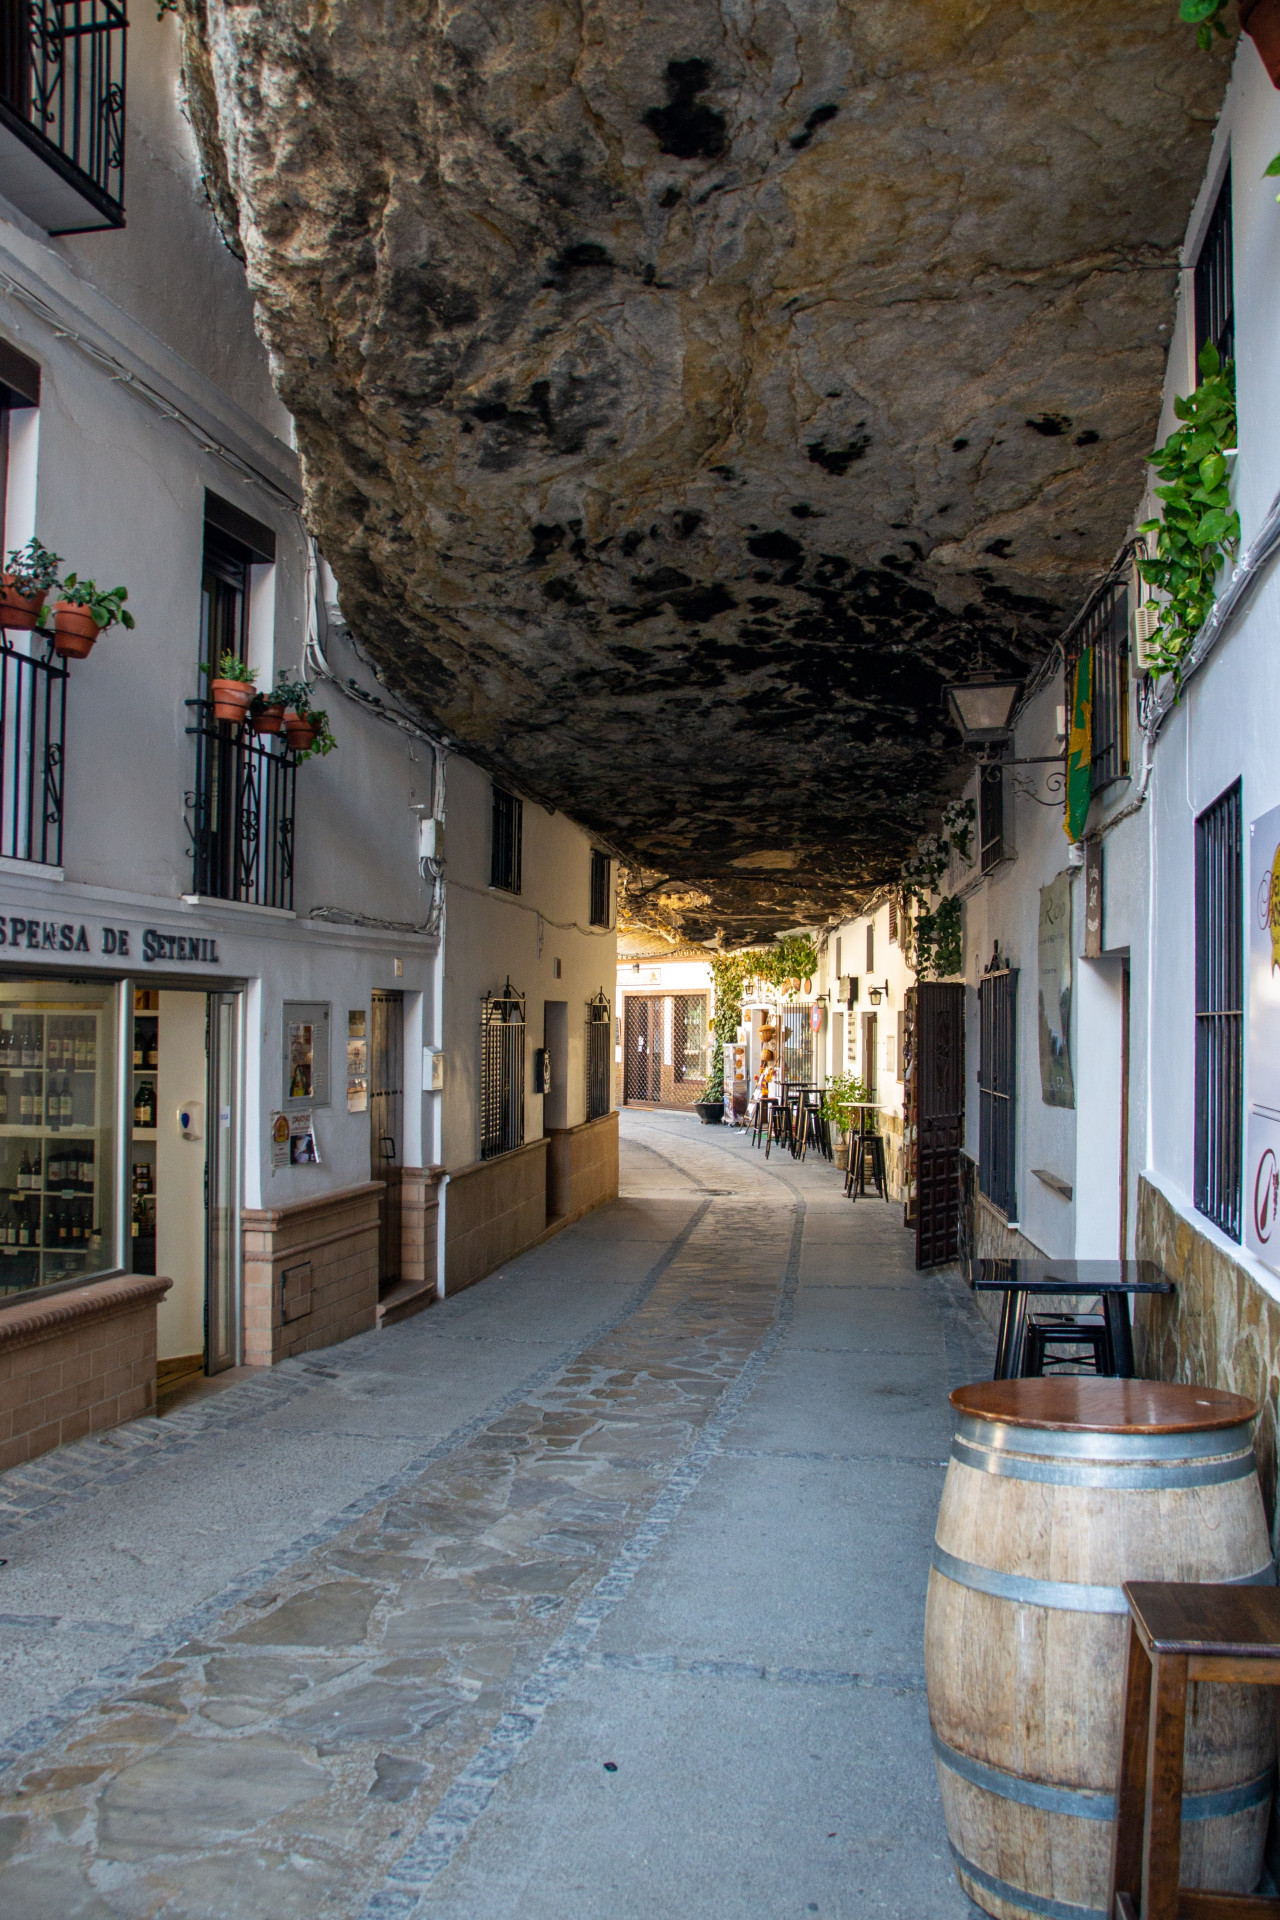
(1180,1634)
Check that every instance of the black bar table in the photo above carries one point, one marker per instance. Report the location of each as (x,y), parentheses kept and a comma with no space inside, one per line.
(1112,1280)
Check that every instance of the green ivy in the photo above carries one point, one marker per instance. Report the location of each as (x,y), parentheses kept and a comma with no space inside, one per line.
(1206,16)
(1200,528)
(729,975)
(938,946)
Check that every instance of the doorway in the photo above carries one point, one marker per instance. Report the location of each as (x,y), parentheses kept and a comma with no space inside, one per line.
(386,1125)
(934,1073)
(555,1036)
(184,1172)
(642,1050)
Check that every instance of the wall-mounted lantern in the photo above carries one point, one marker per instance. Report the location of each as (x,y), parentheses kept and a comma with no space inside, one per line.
(982,708)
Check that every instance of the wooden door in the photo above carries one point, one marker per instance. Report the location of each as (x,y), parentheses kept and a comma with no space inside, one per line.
(936,1118)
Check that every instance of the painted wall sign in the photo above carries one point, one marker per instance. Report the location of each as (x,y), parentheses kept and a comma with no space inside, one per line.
(1057,1088)
(1262,1124)
(21,934)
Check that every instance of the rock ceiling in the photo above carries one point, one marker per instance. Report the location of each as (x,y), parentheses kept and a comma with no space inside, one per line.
(685,390)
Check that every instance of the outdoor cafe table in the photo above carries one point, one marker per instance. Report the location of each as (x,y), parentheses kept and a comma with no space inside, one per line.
(1111,1280)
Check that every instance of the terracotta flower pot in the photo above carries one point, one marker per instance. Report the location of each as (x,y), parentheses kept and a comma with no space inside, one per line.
(267,720)
(1261,21)
(18,610)
(231,699)
(74,630)
(300,730)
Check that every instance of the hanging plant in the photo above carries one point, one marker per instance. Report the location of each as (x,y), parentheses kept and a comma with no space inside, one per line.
(1199,529)
(939,948)
(1259,20)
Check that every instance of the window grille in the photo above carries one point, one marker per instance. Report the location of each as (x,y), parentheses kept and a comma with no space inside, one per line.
(1214,290)
(1106,630)
(599,1027)
(893,921)
(1219,1012)
(689,1036)
(33,716)
(990,816)
(600,902)
(997,1086)
(797,1045)
(871,946)
(508,829)
(871,1054)
(502,1028)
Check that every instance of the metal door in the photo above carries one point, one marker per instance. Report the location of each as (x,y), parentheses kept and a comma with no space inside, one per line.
(642,1052)
(386,1124)
(222,1185)
(936,1117)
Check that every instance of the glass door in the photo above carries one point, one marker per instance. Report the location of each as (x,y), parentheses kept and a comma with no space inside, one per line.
(222,1186)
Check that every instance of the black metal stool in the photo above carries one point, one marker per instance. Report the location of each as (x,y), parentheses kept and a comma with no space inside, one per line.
(1048,1332)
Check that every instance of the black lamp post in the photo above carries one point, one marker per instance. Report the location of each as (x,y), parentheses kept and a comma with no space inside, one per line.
(982,708)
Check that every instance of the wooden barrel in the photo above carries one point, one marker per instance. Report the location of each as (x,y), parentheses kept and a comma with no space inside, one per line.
(1056,1491)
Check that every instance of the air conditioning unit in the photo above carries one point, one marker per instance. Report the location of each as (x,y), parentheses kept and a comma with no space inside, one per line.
(1144,624)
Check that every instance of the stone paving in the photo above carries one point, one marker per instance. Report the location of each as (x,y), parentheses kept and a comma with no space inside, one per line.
(641,1635)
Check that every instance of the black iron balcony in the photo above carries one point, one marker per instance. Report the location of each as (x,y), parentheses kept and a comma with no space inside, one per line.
(240,813)
(62,100)
(33,714)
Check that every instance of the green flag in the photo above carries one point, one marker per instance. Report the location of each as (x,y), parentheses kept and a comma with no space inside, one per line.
(1080,748)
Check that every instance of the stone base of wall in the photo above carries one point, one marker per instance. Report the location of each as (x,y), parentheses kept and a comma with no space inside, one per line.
(1218,1330)
(418,1198)
(985,1234)
(582,1168)
(493,1210)
(310,1273)
(76,1363)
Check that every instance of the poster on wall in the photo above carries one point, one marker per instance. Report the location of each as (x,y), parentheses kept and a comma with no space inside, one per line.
(357,1062)
(1057,1089)
(1262,1125)
(293,1141)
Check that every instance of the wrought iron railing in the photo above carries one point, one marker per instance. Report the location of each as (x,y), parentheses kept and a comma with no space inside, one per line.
(62,91)
(33,715)
(240,813)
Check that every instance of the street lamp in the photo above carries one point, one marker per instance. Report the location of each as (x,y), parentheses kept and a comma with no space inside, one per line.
(982,708)
(875,994)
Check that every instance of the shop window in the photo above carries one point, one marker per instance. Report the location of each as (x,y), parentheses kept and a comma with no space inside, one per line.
(600,902)
(58,1134)
(502,1031)
(1219,1012)
(505,849)
(689,1036)
(997,1086)
(1214,281)
(797,1046)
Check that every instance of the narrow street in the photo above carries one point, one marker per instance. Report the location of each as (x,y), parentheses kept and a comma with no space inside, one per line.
(596,1591)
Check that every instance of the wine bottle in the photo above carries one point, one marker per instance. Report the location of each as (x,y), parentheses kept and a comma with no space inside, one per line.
(24,1172)
(77,1053)
(65,1102)
(153,1050)
(137,1045)
(52,1105)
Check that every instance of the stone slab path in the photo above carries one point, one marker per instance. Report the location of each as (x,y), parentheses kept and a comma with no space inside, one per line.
(595,1592)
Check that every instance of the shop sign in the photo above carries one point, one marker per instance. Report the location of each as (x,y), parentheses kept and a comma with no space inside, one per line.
(20,934)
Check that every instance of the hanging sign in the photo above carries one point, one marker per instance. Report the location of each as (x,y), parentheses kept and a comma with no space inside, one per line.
(815,1015)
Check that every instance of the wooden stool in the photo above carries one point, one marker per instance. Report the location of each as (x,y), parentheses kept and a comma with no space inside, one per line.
(1179,1633)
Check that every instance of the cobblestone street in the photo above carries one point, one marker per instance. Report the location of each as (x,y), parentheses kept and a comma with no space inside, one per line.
(595,1591)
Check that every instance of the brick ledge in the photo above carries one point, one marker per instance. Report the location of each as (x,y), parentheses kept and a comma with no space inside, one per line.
(260,1218)
(22,1324)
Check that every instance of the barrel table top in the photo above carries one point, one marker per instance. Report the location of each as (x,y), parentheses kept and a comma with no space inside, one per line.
(1075,1401)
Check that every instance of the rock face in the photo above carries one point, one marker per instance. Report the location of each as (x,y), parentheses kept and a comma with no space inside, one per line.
(685,390)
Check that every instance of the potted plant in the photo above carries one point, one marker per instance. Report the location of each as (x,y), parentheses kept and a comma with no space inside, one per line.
(84,611)
(711,1112)
(322,740)
(27,578)
(232,688)
(266,714)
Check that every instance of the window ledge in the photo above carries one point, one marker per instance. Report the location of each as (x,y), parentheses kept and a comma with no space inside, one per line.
(1054,1182)
(239,906)
(31,869)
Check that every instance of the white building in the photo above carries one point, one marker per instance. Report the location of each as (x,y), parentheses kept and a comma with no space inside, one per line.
(243,998)
(665,1006)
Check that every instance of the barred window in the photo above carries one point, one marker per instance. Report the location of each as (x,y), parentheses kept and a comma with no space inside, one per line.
(502,1030)
(1219,1011)
(1106,630)
(599,1031)
(508,828)
(998,1086)
(599,888)
(1214,276)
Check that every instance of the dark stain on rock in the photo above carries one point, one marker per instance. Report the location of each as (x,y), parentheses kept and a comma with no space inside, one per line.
(546,539)
(671,198)
(583,253)
(775,546)
(838,460)
(803,511)
(686,127)
(958,446)
(1051,425)
(817,118)
(565,590)
(688,521)
(661,580)
(1089,438)
(1001,548)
